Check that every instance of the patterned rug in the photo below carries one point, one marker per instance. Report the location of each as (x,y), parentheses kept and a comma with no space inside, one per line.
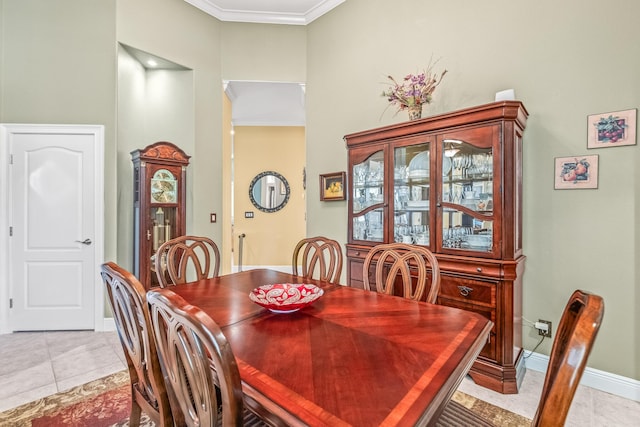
(106,402)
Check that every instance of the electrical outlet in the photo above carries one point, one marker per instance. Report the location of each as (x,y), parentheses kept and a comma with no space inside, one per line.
(544,328)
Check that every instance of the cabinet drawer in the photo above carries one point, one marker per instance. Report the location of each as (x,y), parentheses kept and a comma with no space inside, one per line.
(468,290)
(355,273)
(472,267)
(355,269)
(357,253)
(489,349)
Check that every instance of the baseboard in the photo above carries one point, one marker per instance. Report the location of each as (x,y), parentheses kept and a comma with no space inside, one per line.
(600,380)
(109,324)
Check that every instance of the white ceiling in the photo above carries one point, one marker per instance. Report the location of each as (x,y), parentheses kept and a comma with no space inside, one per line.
(291,12)
(266,103)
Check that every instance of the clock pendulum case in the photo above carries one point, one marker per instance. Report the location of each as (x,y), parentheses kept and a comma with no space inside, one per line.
(159,203)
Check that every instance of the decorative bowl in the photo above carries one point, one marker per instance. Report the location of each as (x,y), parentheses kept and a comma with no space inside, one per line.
(285,297)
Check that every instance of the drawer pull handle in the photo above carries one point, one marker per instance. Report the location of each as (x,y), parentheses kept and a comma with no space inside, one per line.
(479,269)
(465,290)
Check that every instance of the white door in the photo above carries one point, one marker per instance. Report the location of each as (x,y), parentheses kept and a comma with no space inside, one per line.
(52,239)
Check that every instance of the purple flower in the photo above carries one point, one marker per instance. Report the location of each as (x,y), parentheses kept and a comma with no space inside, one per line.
(416,89)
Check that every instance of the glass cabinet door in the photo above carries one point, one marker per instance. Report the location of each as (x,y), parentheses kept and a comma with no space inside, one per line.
(467,195)
(411,194)
(368,198)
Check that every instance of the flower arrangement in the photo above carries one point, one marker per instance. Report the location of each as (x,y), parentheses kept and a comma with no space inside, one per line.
(413,91)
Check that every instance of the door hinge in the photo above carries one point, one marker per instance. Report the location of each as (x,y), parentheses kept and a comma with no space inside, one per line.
(10,231)
(10,159)
(10,302)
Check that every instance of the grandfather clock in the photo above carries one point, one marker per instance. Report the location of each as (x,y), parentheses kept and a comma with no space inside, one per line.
(159,203)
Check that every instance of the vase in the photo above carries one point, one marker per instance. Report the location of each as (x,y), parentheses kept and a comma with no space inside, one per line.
(415,111)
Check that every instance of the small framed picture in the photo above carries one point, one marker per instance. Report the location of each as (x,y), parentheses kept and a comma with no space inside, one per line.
(576,172)
(613,129)
(332,186)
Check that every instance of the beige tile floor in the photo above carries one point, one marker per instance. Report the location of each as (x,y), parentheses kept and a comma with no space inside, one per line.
(37,364)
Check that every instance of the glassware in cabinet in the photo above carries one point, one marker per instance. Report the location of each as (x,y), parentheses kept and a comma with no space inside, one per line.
(368,198)
(411,191)
(467,191)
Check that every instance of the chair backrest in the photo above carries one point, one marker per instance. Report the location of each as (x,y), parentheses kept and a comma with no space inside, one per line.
(395,260)
(185,259)
(131,315)
(575,336)
(320,257)
(195,357)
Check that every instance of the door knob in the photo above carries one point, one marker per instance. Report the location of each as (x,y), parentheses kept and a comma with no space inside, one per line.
(84,242)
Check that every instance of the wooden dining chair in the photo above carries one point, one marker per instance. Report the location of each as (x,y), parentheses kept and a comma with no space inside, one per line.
(202,377)
(131,315)
(186,259)
(575,336)
(409,262)
(318,256)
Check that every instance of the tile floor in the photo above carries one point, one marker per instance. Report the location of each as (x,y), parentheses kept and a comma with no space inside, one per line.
(37,364)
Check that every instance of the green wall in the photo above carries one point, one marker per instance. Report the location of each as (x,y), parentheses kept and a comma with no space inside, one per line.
(175,30)
(563,59)
(264,52)
(565,62)
(50,74)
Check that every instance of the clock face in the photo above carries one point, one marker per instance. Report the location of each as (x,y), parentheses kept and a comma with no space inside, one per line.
(164,187)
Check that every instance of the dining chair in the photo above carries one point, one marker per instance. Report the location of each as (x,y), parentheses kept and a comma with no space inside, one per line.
(412,263)
(131,315)
(185,259)
(575,336)
(202,377)
(319,256)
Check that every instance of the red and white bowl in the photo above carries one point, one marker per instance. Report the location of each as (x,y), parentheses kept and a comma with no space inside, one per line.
(285,297)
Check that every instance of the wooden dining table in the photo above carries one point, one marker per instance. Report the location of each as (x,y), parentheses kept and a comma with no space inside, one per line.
(352,358)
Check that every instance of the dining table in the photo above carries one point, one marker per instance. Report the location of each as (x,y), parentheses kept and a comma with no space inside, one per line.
(351,358)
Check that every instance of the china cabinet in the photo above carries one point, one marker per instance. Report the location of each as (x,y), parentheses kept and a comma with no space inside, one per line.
(452,183)
(159,203)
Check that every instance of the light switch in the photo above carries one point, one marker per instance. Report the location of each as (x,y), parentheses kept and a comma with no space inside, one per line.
(248,214)
(213,217)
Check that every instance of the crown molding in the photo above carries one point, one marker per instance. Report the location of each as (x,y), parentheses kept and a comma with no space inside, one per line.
(258,17)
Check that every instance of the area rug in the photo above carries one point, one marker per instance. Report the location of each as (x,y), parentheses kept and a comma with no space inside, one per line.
(106,402)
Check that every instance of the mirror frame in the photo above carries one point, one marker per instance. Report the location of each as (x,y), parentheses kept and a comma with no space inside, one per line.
(258,205)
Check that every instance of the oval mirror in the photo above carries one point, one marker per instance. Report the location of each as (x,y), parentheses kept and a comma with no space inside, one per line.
(269,191)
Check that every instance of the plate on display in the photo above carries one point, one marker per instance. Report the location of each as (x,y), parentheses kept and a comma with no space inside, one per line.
(419,173)
(446,165)
(285,297)
(419,165)
(417,203)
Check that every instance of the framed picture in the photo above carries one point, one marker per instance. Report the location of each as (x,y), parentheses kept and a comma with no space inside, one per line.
(612,129)
(332,186)
(576,172)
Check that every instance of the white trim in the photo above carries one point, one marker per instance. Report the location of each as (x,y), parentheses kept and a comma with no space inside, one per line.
(627,388)
(265,17)
(97,131)
(108,324)
(240,122)
(4,230)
